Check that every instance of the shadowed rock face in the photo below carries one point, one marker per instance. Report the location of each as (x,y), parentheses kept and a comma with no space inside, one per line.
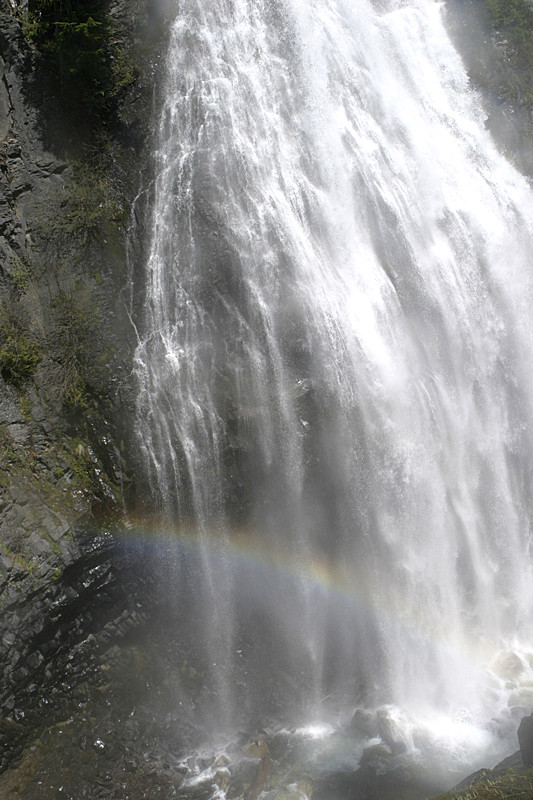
(63,473)
(525,739)
(52,627)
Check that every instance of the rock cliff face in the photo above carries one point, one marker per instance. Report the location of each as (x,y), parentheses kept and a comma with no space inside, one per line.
(495,40)
(65,344)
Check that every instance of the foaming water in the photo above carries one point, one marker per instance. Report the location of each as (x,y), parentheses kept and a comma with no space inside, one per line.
(336,358)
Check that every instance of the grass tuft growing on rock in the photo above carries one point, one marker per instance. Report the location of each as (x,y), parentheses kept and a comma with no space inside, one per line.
(514,785)
(19,351)
(76,322)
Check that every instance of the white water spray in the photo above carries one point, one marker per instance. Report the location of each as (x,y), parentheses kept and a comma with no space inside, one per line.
(337,358)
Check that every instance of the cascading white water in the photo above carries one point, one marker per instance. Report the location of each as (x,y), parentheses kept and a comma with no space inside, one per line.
(336,365)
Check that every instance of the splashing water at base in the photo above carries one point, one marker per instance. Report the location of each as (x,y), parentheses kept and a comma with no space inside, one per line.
(335,370)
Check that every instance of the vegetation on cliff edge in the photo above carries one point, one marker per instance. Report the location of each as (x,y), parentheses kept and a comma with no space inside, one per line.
(514,785)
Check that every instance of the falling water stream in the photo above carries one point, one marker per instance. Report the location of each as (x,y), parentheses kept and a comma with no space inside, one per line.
(335,375)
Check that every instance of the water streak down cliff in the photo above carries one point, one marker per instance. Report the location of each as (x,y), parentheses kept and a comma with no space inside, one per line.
(335,386)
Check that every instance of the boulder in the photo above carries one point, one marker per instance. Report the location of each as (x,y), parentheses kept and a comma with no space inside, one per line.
(390,731)
(364,724)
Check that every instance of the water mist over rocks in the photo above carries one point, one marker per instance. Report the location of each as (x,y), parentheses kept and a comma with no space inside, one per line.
(335,399)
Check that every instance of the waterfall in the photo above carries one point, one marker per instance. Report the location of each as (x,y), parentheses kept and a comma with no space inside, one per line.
(335,370)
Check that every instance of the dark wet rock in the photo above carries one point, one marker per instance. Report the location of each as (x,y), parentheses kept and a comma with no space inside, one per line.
(222,778)
(56,635)
(384,776)
(364,724)
(339,786)
(241,777)
(525,740)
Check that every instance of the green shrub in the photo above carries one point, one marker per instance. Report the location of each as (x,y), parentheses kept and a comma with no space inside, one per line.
(20,272)
(19,352)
